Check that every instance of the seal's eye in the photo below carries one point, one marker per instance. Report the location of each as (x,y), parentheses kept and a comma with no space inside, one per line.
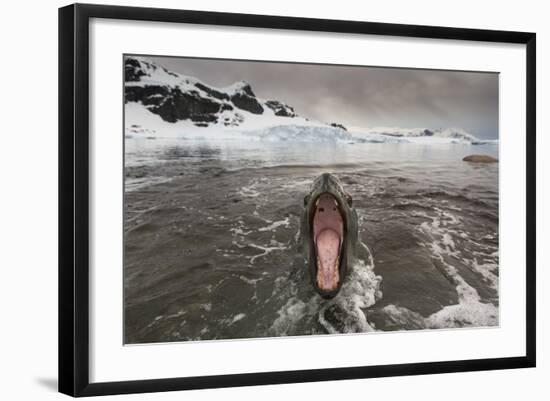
(306,200)
(350,200)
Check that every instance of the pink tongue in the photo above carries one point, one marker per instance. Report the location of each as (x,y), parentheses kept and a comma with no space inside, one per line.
(328,248)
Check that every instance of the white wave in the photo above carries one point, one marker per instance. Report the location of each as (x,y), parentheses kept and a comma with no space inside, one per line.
(249,280)
(273,226)
(238,317)
(297,183)
(400,316)
(266,250)
(288,316)
(487,270)
(469,311)
(240,231)
(249,192)
(466,313)
(232,320)
(134,184)
(360,291)
(474,314)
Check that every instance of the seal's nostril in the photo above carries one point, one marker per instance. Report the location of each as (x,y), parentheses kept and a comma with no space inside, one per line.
(321,209)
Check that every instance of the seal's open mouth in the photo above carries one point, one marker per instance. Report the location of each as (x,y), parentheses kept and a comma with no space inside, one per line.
(328,237)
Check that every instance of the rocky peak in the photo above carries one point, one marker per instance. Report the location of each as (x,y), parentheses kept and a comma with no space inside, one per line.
(241,86)
(336,125)
(280,108)
(137,69)
(176,97)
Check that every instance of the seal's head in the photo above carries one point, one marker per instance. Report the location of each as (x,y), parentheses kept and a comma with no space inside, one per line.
(330,231)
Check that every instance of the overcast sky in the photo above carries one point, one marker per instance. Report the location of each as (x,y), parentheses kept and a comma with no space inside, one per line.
(362,96)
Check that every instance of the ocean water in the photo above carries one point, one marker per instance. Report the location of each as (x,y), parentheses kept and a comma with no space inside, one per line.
(211,230)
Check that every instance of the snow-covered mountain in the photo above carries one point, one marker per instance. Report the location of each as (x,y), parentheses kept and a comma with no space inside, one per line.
(162,103)
(176,98)
(453,135)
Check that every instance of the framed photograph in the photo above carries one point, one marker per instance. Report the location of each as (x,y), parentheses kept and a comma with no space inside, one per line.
(250,199)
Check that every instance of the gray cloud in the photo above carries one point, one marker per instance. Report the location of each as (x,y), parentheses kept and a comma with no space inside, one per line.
(363,96)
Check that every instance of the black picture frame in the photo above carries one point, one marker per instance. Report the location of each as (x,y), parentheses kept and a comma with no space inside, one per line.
(74,198)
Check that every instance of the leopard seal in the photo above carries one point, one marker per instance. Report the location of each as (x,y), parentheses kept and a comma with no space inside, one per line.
(329,234)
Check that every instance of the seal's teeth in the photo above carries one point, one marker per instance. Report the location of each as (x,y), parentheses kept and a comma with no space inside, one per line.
(335,203)
(317,202)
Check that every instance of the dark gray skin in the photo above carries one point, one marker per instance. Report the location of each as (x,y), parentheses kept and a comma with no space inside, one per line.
(328,183)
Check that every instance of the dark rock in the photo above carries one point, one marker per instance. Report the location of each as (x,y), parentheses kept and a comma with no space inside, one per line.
(336,125)
(212,92)
(200,103)
(480,159)
(246,88)
(171,104)
(281,109)
(132,70)
(146,94)
(210,118)
(248,103)
(233,121)
(170,72)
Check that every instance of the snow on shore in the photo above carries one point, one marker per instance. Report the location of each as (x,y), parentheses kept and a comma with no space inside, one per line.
(141,123)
